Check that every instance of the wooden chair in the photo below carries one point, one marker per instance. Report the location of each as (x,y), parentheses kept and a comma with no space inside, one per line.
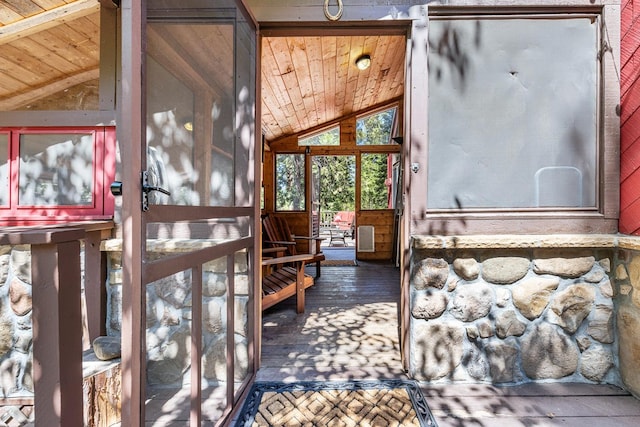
(284,277)
(276,233)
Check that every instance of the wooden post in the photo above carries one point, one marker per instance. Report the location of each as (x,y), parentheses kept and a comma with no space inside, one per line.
(57,332)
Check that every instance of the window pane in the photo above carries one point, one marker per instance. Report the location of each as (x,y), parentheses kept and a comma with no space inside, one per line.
(328,137)
(376,129)
(512,122)
(4,169)
(378,183)
(56,170)
(290,182)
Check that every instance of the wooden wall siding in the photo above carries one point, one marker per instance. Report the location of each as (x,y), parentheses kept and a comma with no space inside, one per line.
(46,46)
(382,221)
(309,81)
(630,117)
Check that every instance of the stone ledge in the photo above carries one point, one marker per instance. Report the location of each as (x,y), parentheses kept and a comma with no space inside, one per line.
(512,241)
(164,245)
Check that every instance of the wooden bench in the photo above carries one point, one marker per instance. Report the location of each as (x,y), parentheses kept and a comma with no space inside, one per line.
(284,277)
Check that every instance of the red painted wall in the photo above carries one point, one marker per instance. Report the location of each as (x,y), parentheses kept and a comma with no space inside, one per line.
(630,118)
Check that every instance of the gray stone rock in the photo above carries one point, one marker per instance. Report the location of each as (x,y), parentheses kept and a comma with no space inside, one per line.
(467,268)
(472,332)
(548,353)
(174,289)
(601,325)
(476,364)
(595,363)
(594,276)
(215,360)
(6,333)
(532,296)
(621,272)
(504,270)
(485,328)
(503,358)
(503,297)
(605,263)
(241,354)
(21,263)
(241,315)
(438,349)
(472,302)
(430,305)
(606,289)
(212,316)
(430,273)
(168,352)
(628,321)
(241,284)
(564,267)
(214,284)
(4,268)
(452,285)
(508,324)
(571,306)
(107,348)
(583,342)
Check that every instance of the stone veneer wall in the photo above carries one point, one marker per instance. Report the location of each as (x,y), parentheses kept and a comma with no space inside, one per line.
(514,309)
(16,342)
(169,316)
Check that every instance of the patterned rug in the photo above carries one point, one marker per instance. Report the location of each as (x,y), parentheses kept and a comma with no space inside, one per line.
(355,403)
(339,263)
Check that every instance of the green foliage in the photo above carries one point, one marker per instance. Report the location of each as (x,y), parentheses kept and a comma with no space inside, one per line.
(373,191)
(290,182)
(337,182)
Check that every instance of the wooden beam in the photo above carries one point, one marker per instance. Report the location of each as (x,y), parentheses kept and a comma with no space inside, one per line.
(32,95)
(51,18)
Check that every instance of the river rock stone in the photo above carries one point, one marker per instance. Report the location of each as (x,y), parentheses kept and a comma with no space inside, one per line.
(594,276)
(595,363)
(532,296)
(634,279)
(476,364)
(548,353)
(571,306)
(212,316)
(485,328)
(430,306)
(601,325)
(503,296)
(472,302)
(21,262)
(4,268)
(168,354)
(508,324)
(20,297)
(6,333)
(214,284)
(503,358)
(438,349)
(107,348)
(430,273)
(606,289)
(621,272)
(605,263)
(467,268)
(504,270)
(173,289)
(628,321)
(564,267)
(583,342)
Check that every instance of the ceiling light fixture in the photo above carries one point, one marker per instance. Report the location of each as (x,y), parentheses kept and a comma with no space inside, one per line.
(363,62)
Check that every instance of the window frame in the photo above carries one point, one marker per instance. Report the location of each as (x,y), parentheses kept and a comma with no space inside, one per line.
(104,159)
(392,131)
(602,219)
(318,132)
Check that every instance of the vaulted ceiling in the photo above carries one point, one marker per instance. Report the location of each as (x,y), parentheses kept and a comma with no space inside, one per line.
(49,48)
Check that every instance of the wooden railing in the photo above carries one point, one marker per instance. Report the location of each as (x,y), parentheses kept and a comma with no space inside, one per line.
(57,314)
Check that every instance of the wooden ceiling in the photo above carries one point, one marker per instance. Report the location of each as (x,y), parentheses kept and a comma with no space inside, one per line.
(309,81)
(48,47)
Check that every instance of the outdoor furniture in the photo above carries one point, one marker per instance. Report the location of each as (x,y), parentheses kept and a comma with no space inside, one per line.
(284,279)
(343,221)
(276,233)
(337,236)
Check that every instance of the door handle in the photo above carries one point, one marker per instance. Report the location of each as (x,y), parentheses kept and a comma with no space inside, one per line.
(147,188)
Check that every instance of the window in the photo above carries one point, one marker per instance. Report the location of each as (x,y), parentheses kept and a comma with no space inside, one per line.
(376,128)
(513,120)
(379,176)
(56,175)
(325,137)
(290,179)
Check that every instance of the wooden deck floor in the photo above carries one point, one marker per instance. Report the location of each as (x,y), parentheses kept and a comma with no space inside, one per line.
(350,331)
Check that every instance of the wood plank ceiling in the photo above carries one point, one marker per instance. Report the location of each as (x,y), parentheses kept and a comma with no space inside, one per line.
(50,46)
(309,81)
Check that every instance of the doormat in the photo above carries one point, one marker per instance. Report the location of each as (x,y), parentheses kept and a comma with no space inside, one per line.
(320,403)
(340,263)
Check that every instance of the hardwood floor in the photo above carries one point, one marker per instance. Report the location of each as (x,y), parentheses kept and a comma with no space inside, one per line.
(349,328)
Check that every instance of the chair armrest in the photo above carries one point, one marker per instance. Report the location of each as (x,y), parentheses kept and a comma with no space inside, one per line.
(280,243)
(288,259)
